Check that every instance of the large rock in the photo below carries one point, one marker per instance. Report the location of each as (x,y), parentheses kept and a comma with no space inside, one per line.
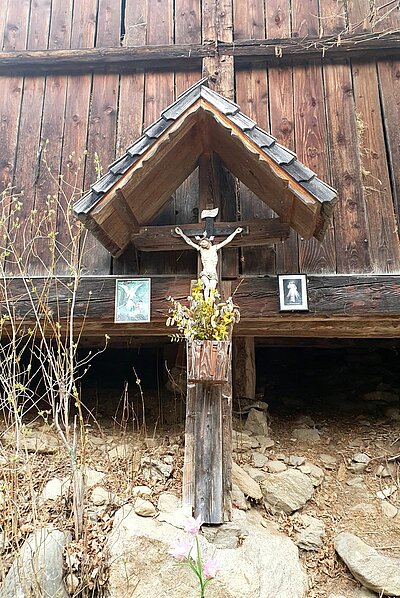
(257,423)
(247,485)
(306,435)
(38,569)
(311,534)
(265,564)
(287,491)
(375,571)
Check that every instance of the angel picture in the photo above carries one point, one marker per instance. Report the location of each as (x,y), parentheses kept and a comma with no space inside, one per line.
(132,300)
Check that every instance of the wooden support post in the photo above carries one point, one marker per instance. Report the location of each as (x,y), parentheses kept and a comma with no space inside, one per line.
(207,470)
(245,367)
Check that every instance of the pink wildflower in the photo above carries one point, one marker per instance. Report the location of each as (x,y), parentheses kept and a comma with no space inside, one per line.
(181,549)
(193,525)
(210,568)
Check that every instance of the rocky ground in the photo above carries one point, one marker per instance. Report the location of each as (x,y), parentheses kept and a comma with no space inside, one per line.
(316,497)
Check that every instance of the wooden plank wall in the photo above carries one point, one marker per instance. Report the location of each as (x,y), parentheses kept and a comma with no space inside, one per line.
(341,118)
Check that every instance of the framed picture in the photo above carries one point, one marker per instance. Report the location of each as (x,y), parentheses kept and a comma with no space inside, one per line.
(132,300)
(293,292)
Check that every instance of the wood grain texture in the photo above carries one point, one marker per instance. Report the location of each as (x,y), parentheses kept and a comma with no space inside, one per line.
(384,240)
(249,19)
(186,197)
(51,142)
(277,18)
(332,17)
(252,97)
(389,82)
(386,16)
(359,15)
(17,25)
(312,150)
(351,232)
(244,382)
(3,21)
(102,124)
(305,18)
(340,306)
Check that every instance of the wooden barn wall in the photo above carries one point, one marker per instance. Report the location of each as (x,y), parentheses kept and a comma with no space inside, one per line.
(342,119)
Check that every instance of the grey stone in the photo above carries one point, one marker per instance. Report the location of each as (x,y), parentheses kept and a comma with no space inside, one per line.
(388,509)
(242,442)
(227,535)
(377,572)
(392,413)
(357,467)
(305,421)
(168,503)
(265,443)
(144,508)
(38,569)
(315,473)
(287,491)
(356,481)
(257,423)
(36,441)
(100,496)
(310,536)
(265,563)
(142,491)
(155,470)
(93,477)
(381,395)
(383,471)
(122,451)
(276,466)
(259,460)
(361,458)
(55,489)
(386,492)
(246,484)
(329,461)
(257,474)
(296,461)
(238,498)
(306,435)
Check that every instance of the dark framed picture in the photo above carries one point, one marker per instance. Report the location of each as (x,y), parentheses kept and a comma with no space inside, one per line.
(132,300)
(293,292)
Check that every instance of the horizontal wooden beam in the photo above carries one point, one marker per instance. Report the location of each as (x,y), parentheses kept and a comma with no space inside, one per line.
(257,232)
(366,46)
(340,306)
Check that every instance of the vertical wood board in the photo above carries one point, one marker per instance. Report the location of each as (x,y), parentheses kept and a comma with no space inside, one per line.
(389,81)
(312,150)
(384,240)
(351,232)
(305,18)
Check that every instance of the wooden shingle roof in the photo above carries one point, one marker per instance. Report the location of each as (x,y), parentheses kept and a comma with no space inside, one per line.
(137,185)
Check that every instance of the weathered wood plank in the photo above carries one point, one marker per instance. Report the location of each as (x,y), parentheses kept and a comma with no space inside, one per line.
(372,301)
(249,19)
(386,16)
(52,135)
(3,21)
(83,30)
(312,150)
(277,18)
(16,26)
(384,240)
(332,17)
(29,148)
(277,52)
(186,197)
(244,383)
(359,15)
(280,97)
(102,123)
(305,18)
(159,93)
(130,120)
(351,233)
(252,96)
(389,81)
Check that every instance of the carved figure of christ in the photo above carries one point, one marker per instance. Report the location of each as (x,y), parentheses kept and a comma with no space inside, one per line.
(209,258)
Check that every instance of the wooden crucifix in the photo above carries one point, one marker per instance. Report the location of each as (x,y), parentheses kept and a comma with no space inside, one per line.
(208,251)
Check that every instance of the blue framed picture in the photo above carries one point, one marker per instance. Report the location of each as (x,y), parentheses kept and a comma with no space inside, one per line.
(132,300)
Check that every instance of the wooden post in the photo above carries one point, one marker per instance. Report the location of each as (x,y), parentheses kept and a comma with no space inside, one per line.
(245,367)
(207,477)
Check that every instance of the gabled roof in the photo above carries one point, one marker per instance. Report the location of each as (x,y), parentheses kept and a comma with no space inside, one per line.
(138,183)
